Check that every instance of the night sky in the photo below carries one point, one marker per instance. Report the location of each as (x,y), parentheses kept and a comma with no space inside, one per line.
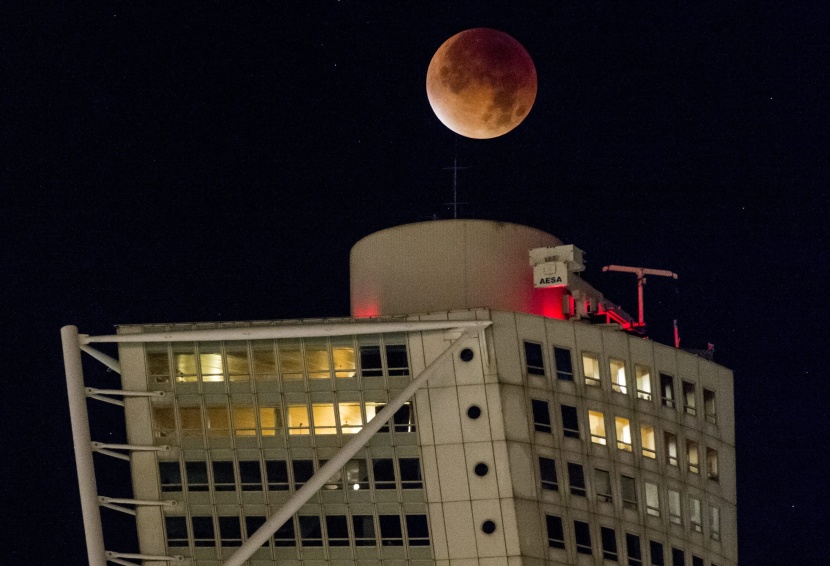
(217,162)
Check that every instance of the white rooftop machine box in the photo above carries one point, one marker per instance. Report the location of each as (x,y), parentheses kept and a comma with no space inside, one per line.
(553,266)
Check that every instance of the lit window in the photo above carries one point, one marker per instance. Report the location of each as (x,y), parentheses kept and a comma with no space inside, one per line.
(203,533)
(351,417)
(250,475)
(535,364)
(317,363)
(390,530)
(582,534)
(678,557)
(383,471)
(230,531)
(689,403)
(417,530)
(303,470)
(648,441)
(223,476)
(364,530)
(695,515)
(291,359)
(712,464)
(602,483)
(541,415)
(244,420)
(623,433)
(176,528)
(556,533)
(596,422)
(693,456)
(633,550)
(264,362)
(337,530)
(210,362)
(158,363)
(547,471)
(608,537)
(190,421)
(576,479)
(564,366)
(590,369)
(629,493)
(184,362)
(276,472)
(410,473)
(197,476)
(343,356)
(656,549)
(311,533)
(218,422)
(164,422)
(675,513)
(170,476)
(709,407)
(239,368)
(285,535)
(324,421)
(298,422)
(652,499)
(270,420)
(617,368)
(714,522)
(667,390)
(670,441)
(643,376)
(570,421)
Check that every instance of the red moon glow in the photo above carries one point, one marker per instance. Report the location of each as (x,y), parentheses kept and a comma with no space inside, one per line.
(481,83)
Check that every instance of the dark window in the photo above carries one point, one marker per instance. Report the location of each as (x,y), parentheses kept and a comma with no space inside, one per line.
(384,472)
(197,476)
(277,473)
(417,530)
(170,476)
(203,531)
(541,415)
(602,484)
(547,471)
(252,525)
(404,419)
(576,479)
(564,365)
(533,358)
(396,361)
(570,421)
(608,537)
(667,389)
(697,561)
(632,546)
(390,530)
(582,534)
(656,553)
(370,364)
(250,475)
(310,532)
(176,528)
(285,535)
(230,531)
(556,534)
(303,470)
(629,493)
(364,530)
(223,476)
(678,557)
(410,473)
(337,530)
(356,473)
(689,403)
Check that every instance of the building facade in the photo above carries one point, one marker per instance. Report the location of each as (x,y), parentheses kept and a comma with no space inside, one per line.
(518,430)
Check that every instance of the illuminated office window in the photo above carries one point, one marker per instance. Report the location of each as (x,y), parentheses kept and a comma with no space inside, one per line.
(298,421)
(184,362)
(590,369)
(642,375)
(291,359)
(675,513)
(617,369)
(596,422)
(695,515)
(239,367)
(190,421)
(264,361)
(623,427)
(667,390)
(210,362)
(244,420)
(670,443)
(652,499)
(351,417)
(689,401)
(648,441)
(356,474)
(270,420)
(317,359)
(343,357)
(693,456)
(324,420)
(218,422)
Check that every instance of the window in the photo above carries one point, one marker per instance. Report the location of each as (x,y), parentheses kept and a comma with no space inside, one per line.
(714,522)
(190,422)
(270,420)
(317,362)
(417,530)
(236,356)
(629,493)
(264,362)
(678,557)
(298,421)
(564,366)
(370,363)
(590,369)
(285,535)
(252,525)
(158,363)
(303,470)
(647,441)
(576,479)
(337,530)
(276,472)
(533,359)
(608,538)
(170,476)
(364,530)
(397,362)
(709,408)
(697,560)
(164,422)
(343,356)
(230,531)
(547,471)
(582,534)
(223,476)
(642,374)
(323,416)
(351,417)
(675,514)
(218,422)
(617,369)
(602,481)
(570,421)
(541,415)
(402,421)
(311,533)
(656,549)
(203,534)
(384,473)
(596,422)
(689,404)
(184,362)
(623,433)
(410,473)
(356,474)
(652,499)
(693,456)
(390,530)
(291,359)
(695,515)
(670,442)
(556,534)
(176,528)
(712,464)
(250,475)
(210,362)
(633,550)
(244,420)
(667,390)
(197,476)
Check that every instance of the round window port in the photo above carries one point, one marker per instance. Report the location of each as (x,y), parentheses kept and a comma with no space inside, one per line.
(489,527)
(466,354)
(481,469)
(474,411)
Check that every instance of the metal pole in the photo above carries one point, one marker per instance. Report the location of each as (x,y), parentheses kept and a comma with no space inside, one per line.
(641,281)
(339,460)
(82,442)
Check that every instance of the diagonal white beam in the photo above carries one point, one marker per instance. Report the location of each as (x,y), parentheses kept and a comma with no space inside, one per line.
(340,459)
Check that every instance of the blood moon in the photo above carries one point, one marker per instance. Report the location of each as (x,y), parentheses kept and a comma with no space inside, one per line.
(481,83)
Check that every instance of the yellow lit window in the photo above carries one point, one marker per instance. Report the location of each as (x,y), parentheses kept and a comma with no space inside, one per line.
(218,424)
(239,369)
(190,421)
(590,367)
(643,376)
(270,420)
(210,360)
(264,362)
(298,422)
(184,360)
(351,420)
(648,441)
(324,422)
(344,361)
(164,422)
(617,368)
(693,455)
(317,360)
(623,433)
(291,359)
(596,421)
(244,421)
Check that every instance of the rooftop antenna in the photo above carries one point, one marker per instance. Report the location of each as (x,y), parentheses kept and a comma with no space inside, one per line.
(641,273)
(455,169)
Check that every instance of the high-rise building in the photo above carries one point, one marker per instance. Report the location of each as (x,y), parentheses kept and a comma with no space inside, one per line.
(483,406)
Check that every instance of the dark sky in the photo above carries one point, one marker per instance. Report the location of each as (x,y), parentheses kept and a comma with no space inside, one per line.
(217,162)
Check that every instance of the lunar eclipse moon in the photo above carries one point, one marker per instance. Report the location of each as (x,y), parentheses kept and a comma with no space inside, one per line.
(481,83)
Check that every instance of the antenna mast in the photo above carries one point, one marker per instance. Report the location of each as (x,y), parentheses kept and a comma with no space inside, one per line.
(455,169)
(641,273)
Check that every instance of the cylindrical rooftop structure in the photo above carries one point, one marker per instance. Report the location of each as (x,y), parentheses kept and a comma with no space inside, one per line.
(447,265)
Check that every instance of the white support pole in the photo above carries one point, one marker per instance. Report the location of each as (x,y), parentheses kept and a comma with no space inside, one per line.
(108,361)
(339,460)
(83,446)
